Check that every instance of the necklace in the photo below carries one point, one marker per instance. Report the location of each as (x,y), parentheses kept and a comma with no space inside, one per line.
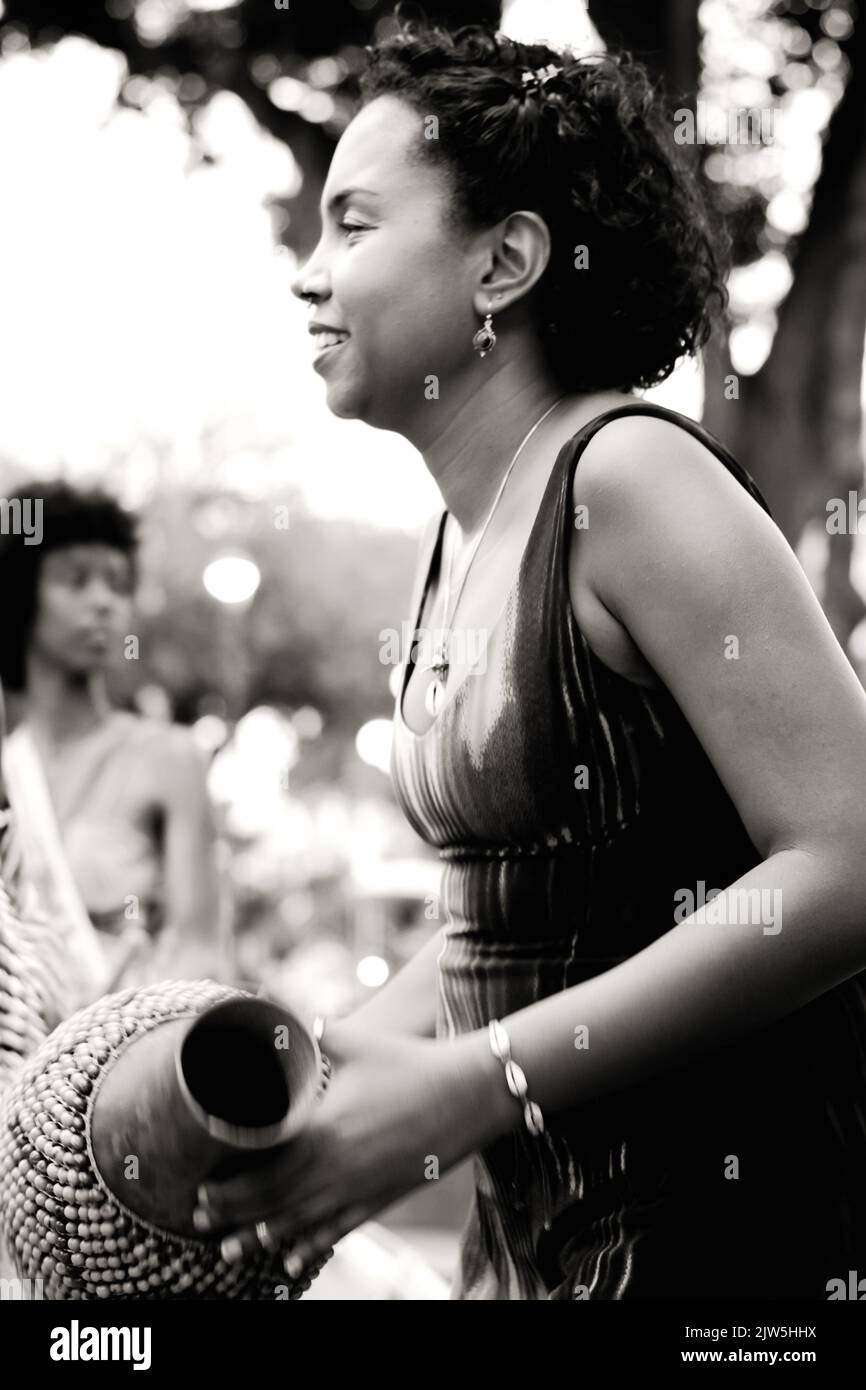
(440,665)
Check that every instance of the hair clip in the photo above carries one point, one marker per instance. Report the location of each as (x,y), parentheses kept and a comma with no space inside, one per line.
(539,76)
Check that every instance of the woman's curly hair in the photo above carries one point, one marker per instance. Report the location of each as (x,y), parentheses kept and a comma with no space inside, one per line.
(591,151)
(69,516)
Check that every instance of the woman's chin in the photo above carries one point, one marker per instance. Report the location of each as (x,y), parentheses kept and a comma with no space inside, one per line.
(342,409)
(344,402)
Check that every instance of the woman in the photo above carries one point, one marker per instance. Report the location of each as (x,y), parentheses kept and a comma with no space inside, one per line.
(661,714)
(111,809)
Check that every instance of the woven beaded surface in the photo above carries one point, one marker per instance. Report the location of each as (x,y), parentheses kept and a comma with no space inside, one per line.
(58,1220)
(31,968)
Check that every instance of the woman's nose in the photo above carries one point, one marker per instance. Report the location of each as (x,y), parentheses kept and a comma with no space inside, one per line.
(310,283)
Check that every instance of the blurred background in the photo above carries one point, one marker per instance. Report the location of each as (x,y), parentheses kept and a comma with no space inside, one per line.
(161,163)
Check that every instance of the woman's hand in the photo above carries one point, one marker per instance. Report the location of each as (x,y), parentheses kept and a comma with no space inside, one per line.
(397,1111)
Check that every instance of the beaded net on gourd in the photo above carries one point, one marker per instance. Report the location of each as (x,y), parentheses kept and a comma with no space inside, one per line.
(59,1221)
(31,964)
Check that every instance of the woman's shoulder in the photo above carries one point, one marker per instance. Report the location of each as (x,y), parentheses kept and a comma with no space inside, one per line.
(652,496)
(635,445)
(645,455)
(641,472)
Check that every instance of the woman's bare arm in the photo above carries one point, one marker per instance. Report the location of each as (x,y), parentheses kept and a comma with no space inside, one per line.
(714,599)
(407,1003)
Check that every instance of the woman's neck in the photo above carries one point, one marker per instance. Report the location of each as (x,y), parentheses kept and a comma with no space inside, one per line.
(62,706)
(474,443)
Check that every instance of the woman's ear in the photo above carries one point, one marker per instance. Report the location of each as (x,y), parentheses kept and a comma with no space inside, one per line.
(520,255)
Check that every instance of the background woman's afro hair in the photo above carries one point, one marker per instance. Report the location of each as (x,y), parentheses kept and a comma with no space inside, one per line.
(68,517)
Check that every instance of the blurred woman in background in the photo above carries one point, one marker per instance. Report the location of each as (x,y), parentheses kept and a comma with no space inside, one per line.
(112,812)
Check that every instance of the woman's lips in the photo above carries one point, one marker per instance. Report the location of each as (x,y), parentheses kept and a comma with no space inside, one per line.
(326,344)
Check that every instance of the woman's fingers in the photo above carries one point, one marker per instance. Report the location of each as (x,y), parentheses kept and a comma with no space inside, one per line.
(256,1194)
(313,1245)
(303,1233)
(212,1216)
(268,1235)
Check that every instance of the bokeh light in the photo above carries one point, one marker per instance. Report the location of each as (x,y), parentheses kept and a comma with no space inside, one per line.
(232,579)
(372,971)
(373,743)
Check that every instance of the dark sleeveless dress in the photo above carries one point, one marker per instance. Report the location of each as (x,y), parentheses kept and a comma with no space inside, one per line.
(742,1175)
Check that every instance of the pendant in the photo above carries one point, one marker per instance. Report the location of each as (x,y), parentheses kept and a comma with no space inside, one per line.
(434,695)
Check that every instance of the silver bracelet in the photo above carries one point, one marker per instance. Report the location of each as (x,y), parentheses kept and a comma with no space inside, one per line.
(500,1046)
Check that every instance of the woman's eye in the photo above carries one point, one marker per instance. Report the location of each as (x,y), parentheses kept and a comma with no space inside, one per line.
(352,226)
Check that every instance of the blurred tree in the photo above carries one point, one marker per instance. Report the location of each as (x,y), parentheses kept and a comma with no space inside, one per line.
(797,422)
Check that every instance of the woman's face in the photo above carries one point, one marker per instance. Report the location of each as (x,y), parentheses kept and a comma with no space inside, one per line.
(388,273)
(83,606)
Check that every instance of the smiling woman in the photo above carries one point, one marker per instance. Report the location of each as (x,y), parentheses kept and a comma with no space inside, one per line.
(659,1105)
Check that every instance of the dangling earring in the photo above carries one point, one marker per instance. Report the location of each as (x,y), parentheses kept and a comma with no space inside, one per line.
(484,340)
